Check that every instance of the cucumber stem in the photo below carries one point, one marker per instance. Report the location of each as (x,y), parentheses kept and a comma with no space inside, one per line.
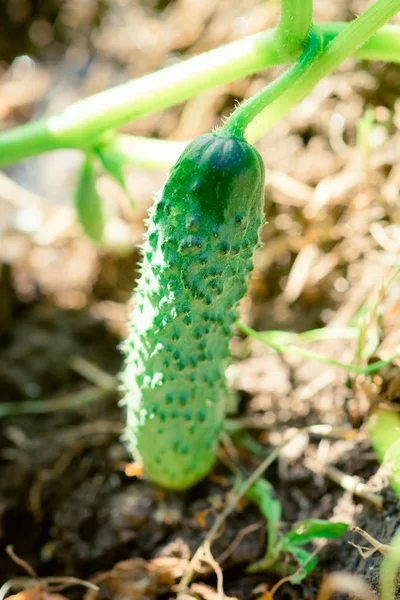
(237,124)
(294,25)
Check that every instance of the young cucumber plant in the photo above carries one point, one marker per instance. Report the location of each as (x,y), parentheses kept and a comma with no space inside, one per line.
(203,229)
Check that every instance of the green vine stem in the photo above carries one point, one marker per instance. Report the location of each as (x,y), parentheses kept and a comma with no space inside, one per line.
(82,124)
(295,33)
(384,432)
(345,44)
(148,153)
(294,25)
(271,339)
(241,118)
(384,45)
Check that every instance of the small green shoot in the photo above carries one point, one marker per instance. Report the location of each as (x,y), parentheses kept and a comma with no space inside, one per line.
(283,343)
(279,546)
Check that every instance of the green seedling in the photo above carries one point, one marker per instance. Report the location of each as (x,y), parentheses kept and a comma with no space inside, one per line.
(281,546)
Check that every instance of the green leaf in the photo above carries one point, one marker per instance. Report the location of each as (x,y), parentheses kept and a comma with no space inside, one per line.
(311,529)
(305,560)
(261,494)
(88,203)
(112,162)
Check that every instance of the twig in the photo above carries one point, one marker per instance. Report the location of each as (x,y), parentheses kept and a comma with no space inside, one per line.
(296,573)
(258,422)
(209,559)
(240,536)
(21,562)
(346,583)
(47,584)
(57,584)
(93,373)
(376,545)
(347,482)
(67,402)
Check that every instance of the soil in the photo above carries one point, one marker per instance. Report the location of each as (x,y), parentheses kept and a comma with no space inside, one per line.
(68,505)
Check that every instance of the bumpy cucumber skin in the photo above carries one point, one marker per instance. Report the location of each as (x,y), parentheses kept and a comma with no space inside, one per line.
(197,259)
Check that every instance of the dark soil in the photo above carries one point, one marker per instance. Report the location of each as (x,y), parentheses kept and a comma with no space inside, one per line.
(67,506)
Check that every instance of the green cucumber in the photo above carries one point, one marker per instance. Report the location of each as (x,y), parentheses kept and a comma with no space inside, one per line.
(197,258)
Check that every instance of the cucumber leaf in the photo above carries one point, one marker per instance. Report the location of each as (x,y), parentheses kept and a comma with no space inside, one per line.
(311,529)
(306,560)
(88,203)
(113,162)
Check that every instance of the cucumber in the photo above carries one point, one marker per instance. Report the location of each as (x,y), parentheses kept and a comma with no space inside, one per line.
(197,258)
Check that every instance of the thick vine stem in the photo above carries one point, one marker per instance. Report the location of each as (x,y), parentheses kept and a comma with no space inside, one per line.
(294,25)
(83,123)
